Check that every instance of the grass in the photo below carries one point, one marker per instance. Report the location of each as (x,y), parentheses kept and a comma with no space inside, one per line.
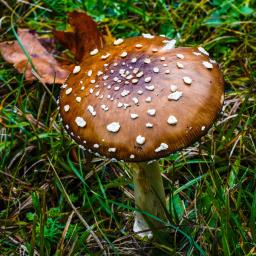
(57,200)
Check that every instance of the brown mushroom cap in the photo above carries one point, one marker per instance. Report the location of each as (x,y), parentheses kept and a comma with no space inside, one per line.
(141,99)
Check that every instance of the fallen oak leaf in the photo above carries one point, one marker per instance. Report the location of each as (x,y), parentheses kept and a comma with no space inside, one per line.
(47,67)
(84,36)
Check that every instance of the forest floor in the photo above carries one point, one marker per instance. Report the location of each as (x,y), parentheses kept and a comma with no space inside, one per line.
(57,200)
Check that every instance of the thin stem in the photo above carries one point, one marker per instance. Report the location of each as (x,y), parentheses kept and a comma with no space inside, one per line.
(149,196)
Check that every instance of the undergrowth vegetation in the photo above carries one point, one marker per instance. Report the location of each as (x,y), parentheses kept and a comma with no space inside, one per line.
(56,199)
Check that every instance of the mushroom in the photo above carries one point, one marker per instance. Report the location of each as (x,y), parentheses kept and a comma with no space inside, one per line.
(141,99)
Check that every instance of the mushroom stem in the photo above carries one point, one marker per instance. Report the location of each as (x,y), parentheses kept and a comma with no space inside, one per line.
(149,197)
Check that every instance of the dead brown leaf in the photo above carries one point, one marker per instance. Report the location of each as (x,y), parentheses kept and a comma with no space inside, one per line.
(47,67)
(84,36)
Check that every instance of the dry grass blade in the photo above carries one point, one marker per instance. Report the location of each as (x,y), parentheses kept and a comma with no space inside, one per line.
(76,211)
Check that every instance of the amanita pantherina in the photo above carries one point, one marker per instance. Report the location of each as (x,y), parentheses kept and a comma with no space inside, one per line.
(139,100)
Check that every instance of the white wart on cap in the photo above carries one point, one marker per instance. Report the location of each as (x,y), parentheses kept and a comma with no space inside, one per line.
(139,100)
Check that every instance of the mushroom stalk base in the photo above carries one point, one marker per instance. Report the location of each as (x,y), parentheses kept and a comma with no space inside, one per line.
(149,197)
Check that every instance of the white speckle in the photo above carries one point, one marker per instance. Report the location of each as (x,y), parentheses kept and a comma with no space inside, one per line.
(97,93)
(68,91)
(167,71)
(169,44)
(134,116)
(82,88)
(115,78)
(135,70)
(175,95)
(147,35)
(78,99)
(165,65)
(187,80)
(135,100)
(150,87)
(105,77)
(180,56)
(127,82)
(140,92)
(126,105)
(118,41)
(105,65)
(104,107)
(92,81)
(154,50)
(91,91)
(99,73)
(172,120)
(140,139)
(133,60)
(163,146)
(207,64)
(122,72)
(151,112)
(135,81)
(155,69)
(96,145)
(202,50)
(94,52)
(202,128)
(132,156)
(138,45)
(129,77)
(113,127)
(67,126)
(80,121)
(147,60)
(140,74)
(149,125)
(162,58)
(91,110)
(66,108)
(179,65)
(174,88)
(104,57)
(197,53)
(123,54)
(89,73)
(116,88)
(119,104)
(125,93)
(112,150)
(148,79)
(63,86)
(148,99)
(213,61)
(76,69)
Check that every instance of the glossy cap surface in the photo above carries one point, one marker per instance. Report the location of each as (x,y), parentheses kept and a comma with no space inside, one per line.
(141,99)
